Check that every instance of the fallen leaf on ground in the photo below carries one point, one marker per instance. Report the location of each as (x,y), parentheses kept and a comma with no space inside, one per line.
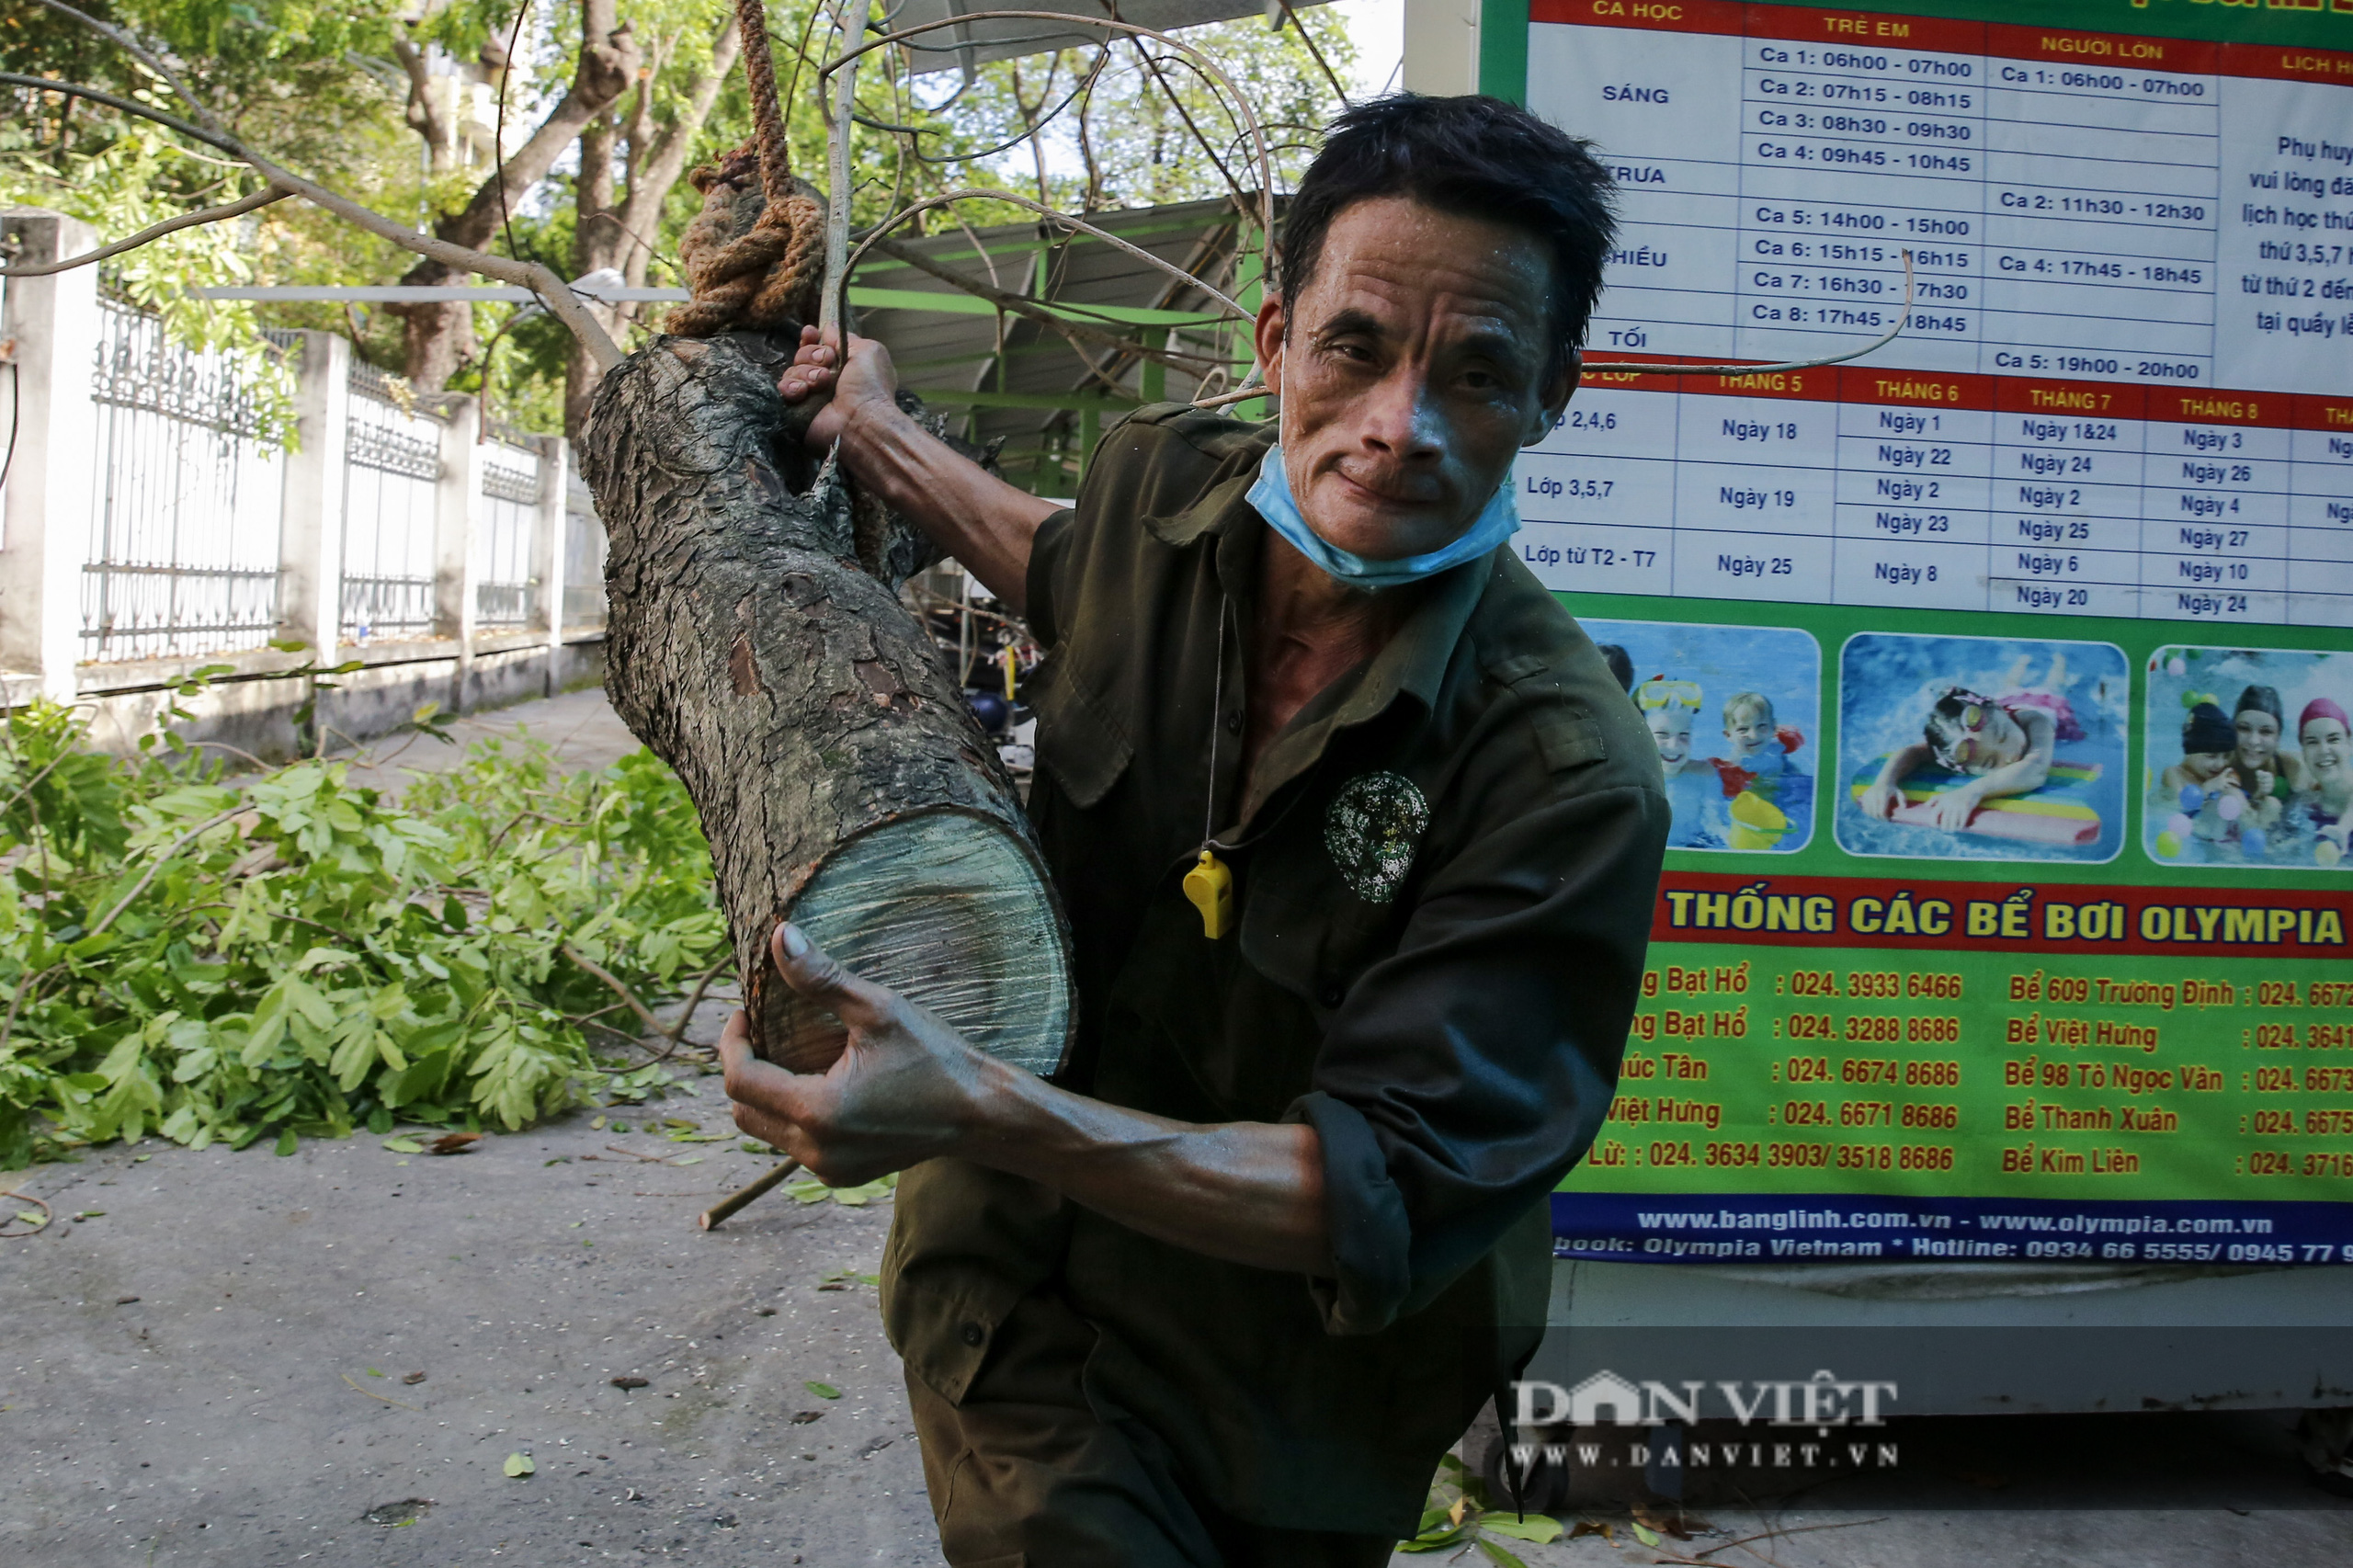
(124,1300)
(519,1465)
(414,1377)
(1645,1534)
(454,1142)
(1665,1524)
(802,1417)
(1587,1526)
(403,1145)
(373,1373)
(1542,1529)
(629,1382)
(91,1214)
(822,1391)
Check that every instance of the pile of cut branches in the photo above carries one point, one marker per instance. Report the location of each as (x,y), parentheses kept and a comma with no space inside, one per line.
(219,958)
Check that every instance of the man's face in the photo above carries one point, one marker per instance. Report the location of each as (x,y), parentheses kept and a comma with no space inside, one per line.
(1411,373)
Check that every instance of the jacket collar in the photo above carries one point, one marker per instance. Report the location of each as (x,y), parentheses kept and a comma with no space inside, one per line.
(1412,664)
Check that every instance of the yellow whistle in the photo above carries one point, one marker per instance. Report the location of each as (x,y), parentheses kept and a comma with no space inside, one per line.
(1209,887)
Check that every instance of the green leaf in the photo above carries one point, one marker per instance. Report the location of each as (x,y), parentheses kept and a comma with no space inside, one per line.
(1499,1555)
(286,1142)
(403,1145)
(1436,1538)
(822,1391)
(1645,1534)
(1539,1529)
(519,1465)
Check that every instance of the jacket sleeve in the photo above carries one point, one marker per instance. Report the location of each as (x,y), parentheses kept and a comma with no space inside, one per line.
(1465,1073)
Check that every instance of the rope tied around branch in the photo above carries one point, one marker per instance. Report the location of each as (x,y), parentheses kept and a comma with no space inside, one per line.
(765,277)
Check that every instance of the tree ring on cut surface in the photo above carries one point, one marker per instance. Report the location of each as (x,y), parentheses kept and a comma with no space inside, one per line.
(953,912)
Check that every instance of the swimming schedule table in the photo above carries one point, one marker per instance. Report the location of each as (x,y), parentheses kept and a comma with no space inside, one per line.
(2122,388)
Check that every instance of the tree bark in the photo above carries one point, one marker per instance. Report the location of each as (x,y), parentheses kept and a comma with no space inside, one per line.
(757,645)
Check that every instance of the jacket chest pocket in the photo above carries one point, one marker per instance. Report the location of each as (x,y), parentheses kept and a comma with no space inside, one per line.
(1307,932)
(1078,742)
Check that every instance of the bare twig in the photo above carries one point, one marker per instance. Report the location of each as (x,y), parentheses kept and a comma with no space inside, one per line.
(1779,1530)
(645,1013)
(1309,39)
(185,839)
(51,1213)
(1239,101)
(153,232)
(371,1393)
(678,1032)
(648,1159)
(1050,215)
(719,1213)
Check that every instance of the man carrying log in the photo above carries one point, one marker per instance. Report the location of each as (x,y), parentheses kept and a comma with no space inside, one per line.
(1358,840)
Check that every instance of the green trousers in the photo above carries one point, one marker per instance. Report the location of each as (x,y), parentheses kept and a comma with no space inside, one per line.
(1024,1473)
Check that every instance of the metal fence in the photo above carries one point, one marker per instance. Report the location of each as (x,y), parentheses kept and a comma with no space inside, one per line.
(392,467)
(187,502)
(502,566)
(584,560)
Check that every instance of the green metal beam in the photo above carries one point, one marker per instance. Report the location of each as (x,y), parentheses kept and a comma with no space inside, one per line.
(954,397)
(948,302)
(1133,234)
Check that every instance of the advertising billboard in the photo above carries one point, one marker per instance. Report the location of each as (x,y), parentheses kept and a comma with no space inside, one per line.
(2001,678)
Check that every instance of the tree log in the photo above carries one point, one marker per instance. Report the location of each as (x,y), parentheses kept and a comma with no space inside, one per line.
(757,645)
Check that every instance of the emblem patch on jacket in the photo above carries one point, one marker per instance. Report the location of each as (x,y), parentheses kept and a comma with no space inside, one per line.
(1374,826)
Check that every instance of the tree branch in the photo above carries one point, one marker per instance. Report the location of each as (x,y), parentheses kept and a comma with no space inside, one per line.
(153,232)
(553,292)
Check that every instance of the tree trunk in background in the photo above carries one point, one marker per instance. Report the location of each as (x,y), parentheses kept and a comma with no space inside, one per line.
(621,237)
(841,781)
(438,337)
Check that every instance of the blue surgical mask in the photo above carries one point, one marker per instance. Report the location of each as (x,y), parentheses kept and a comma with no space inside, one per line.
(1497,522)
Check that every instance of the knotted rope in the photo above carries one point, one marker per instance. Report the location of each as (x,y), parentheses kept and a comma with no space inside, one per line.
(764,278)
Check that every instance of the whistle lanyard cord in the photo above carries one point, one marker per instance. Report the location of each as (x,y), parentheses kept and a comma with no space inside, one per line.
(1217,723)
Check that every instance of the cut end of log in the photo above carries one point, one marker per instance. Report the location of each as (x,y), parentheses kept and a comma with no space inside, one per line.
(952,912)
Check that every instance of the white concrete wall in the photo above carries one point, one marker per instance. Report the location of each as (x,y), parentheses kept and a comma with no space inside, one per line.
(45,512)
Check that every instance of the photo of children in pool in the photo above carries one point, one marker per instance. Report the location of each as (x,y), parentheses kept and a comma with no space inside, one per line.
(1983,748)
(2248,760)
(1735,713)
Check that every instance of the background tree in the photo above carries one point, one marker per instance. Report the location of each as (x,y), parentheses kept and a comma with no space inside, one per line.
(606,114)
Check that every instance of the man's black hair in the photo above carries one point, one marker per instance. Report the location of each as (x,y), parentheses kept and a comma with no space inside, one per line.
(1475,157)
